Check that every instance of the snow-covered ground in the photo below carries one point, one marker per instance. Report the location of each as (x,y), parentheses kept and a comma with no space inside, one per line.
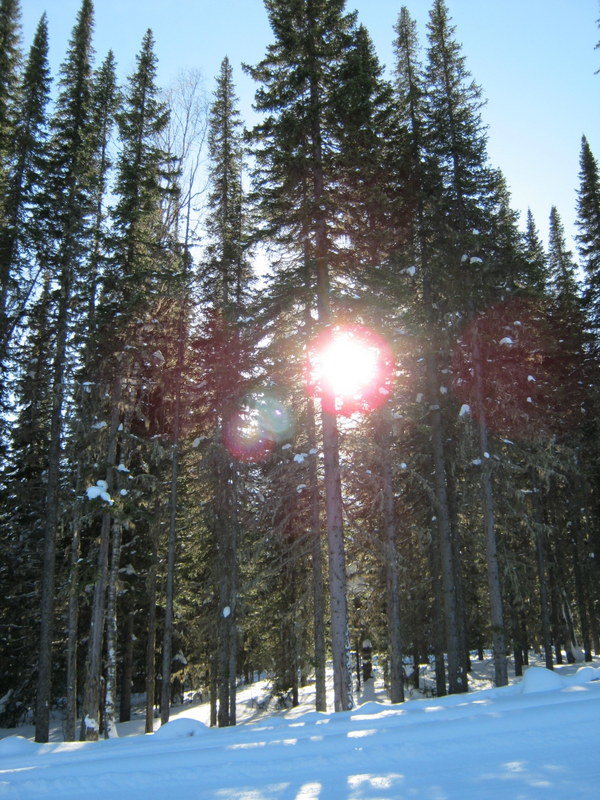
(536,738)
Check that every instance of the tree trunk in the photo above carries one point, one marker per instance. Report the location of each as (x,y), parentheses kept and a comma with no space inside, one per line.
(167,653)
(91,695)
(491,550)
(340,639)
(44,681)
(71,709)
(540,551)
(318,588)
(111,635)
(391,560)
(340,642)
(126,668)
(438,615)
(151,639)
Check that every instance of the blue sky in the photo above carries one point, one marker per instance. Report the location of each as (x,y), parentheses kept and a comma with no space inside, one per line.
(534,59)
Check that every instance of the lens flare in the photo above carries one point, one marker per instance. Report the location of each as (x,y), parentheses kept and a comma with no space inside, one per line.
(253,430)
(349,367)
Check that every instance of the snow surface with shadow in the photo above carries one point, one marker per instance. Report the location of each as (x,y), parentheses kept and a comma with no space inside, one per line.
(533,738)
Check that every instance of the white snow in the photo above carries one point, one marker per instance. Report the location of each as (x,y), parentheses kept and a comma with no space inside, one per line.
(99,490)
(410,271)
(226,612)
(419,398)
(506,340)
(533,739)
(476,260)
(299,458)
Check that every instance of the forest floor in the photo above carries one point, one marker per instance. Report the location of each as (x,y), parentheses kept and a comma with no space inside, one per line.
(537,736)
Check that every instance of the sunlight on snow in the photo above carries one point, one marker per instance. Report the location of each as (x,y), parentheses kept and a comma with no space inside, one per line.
(361,734)
(374,781)
(310,791)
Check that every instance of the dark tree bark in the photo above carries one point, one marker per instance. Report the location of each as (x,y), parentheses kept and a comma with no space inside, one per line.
(126,667)
(90,726)
(396,676)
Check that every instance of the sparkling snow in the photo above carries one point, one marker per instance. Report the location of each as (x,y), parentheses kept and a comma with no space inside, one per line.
(533,739)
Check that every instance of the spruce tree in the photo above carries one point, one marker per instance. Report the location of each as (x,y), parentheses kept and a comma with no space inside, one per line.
(225,278)
(295,177)
(561,266)
(24,201)
(535,255)
(132,281)
(588,223)
(69,192)
(457,141)
(10,63)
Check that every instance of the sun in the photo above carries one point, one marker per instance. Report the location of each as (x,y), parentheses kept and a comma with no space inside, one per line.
(349,368)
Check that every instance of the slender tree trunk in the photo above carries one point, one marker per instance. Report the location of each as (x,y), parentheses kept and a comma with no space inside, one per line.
(435,570)
(167,653)
(340,639)
(214,690)
(126,668)
(111,635)
(71,710)
(91,695)
(491,549)
(340,642)
(457,678)
(540,551)
(318,587)
(578,552)
(391,560)
(151,639)
(44,681)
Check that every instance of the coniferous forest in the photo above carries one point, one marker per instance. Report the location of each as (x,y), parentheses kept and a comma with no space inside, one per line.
(387,432)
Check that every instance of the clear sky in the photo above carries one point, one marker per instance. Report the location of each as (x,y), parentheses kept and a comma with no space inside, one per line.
(534,59)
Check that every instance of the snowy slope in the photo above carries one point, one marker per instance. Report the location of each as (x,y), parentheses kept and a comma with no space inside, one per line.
(532,739)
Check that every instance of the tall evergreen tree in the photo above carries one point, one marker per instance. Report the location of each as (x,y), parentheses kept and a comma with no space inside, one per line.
(225,278)
(10,56)
(69,192)
(23,202)
(588,222)
(10,62)
(131,284)
(561,266)
(295,179)
(535,255)
(457,141)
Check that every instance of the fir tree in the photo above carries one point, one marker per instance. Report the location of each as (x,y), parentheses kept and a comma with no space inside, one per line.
(470,191)
(23,204)
(10,62)
(588,222)
(69,193)
(561,266)
(225,278)
(132,281)
(535,255)
(294,178)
